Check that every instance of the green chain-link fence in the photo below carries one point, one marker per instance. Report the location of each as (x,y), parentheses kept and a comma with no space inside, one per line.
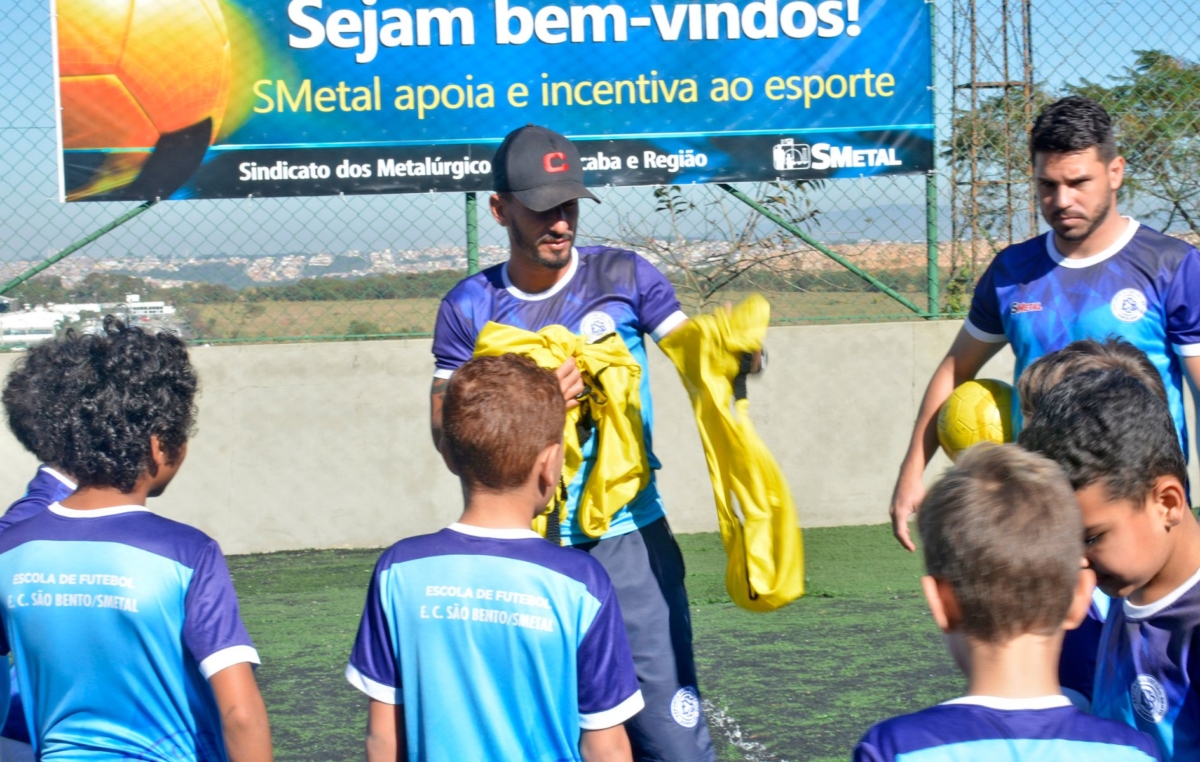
(869,249)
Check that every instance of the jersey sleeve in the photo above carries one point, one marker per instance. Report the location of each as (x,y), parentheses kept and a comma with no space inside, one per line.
(1183,307)
(608,686)
(212,627)
(865,751)
(373,668)
(453,338)
(659,311)
(983,321)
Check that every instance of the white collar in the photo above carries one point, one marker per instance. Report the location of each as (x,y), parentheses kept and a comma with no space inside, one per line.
(494,534)
(116,510)
(1011,704)
(562,282)
(1150,609)
(58,475)
(1077,264)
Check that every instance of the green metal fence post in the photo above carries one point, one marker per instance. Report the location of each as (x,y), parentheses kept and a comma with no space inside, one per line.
(931,238)
(472,234)
(60,256)
(813,242)
(931,201)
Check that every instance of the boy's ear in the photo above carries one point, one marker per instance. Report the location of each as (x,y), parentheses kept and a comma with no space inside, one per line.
(159,456)
(549,466)
(943,603)
(1081,601)
(447,458)
(1169,498)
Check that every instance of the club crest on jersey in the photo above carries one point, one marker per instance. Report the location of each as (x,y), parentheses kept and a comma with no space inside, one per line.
(685,706)
(1129,305)
(1018,308)
(596,325)
(1149,698)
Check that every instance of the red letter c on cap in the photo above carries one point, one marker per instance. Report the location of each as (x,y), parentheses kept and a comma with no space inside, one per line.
(555,162)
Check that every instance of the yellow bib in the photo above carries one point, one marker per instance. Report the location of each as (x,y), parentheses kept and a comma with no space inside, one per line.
(614,404)
(766,555)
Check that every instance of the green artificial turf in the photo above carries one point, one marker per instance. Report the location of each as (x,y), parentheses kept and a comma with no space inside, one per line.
(799,684)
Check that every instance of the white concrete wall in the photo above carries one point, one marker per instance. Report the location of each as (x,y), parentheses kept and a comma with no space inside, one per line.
(327,445)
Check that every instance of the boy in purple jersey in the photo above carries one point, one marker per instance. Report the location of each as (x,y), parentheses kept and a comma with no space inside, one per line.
(1002,539)
(31,404)
(592,291)
(483,640)
(96,574)
(1077,668)
(1116,440)
(1095,274)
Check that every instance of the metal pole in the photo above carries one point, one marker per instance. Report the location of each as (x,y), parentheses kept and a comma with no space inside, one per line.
(472,234)
(60,256)
(931,199)
(813,242)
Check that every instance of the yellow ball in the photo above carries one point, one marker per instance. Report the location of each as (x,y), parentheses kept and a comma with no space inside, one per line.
(977,411)
(133,70)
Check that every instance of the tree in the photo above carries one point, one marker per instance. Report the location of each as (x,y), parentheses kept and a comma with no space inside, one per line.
(1156,112)
(713,241)
(989,148)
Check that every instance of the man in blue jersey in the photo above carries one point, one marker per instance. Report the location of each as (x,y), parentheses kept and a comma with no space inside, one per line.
(484,641)
(593,291)
(1003,541)
(1095,274)
(98,586)
(1118,445)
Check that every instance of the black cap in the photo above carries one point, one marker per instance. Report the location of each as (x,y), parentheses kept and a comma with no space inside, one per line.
(540,167)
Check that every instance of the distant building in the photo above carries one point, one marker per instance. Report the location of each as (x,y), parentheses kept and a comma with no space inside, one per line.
(136,309)
(25,328)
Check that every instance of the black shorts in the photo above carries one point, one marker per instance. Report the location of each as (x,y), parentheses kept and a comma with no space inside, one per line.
(646,568)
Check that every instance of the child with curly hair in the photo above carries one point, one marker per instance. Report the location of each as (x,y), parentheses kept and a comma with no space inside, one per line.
(124,625)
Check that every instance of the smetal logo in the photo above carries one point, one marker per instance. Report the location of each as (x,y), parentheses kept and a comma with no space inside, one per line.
(789,154)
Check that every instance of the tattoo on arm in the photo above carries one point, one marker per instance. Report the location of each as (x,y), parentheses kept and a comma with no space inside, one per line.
(437,393)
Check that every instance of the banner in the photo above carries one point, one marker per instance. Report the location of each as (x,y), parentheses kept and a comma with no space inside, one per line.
(239,98)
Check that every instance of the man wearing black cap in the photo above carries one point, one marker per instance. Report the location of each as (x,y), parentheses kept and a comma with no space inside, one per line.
(592,291)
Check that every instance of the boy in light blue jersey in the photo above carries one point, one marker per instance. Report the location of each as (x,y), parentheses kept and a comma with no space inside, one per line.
(1117,442)
(484,641)
(592,291)
(96,585)
(1002,539)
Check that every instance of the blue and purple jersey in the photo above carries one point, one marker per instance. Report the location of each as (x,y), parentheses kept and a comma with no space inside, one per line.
(500,645)
(1143,289)
(1148,672)
(604,291)
(47,486)
(116,619)
(1080,649)
(1003,730)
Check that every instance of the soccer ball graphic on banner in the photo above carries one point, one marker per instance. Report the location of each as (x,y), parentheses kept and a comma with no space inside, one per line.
(152,75)
(977,411)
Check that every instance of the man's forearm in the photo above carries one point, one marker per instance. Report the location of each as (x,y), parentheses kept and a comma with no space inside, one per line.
(437,395)
(924,442)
